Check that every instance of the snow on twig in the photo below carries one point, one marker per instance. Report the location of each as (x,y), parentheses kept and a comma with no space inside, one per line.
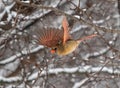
(24,52)
(79,84)
(10,79)
(80,69)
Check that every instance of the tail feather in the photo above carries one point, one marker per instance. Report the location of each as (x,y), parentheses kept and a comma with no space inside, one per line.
(86,38)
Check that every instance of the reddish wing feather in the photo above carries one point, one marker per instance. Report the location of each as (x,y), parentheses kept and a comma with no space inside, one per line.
(50,37)
(66,35)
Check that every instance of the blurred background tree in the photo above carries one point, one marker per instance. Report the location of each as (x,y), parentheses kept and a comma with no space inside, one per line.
(26,64)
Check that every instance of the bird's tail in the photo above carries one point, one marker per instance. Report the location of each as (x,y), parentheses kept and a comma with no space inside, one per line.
(86,38)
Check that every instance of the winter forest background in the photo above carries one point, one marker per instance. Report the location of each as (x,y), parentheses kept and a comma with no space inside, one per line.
(26,64)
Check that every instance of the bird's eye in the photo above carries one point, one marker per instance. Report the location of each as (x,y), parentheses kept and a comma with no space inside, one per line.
(55,48)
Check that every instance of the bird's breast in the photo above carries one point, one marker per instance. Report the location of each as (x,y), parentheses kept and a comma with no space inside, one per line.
(67,48)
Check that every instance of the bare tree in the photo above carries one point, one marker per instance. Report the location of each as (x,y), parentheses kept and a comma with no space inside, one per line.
(26,64)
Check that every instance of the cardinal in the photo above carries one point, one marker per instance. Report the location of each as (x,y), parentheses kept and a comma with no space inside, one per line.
(60,41)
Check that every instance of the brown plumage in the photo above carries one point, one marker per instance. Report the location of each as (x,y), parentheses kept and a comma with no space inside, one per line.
(50,37)
(60,41)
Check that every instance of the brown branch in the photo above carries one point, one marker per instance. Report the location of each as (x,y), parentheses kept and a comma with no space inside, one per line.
(63,13)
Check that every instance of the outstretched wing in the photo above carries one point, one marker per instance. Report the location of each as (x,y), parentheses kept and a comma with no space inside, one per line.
(66,35)
(50,37)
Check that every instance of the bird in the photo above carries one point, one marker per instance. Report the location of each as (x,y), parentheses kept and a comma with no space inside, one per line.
(60,41)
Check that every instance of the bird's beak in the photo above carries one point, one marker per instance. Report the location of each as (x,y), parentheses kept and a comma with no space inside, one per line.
(52,51)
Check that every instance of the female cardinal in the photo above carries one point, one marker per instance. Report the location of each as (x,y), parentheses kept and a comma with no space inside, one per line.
(60,41)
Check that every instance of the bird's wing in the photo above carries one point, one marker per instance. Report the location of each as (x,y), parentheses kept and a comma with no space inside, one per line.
(66,34)
(50,37)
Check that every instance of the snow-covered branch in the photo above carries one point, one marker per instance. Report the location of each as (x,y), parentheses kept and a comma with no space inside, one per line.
(80,69)
(24,52)
(10,79)
(73,70)
(79,84)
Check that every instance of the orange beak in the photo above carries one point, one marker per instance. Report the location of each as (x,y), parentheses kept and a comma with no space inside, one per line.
(52,51)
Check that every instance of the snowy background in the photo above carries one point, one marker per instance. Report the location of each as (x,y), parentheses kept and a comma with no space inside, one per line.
(26,64)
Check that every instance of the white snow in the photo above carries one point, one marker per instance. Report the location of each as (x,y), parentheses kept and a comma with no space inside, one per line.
(7,60)
(98,22)
(78,84)
(78,28)
(9,68)
(10,79)
(80,69)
